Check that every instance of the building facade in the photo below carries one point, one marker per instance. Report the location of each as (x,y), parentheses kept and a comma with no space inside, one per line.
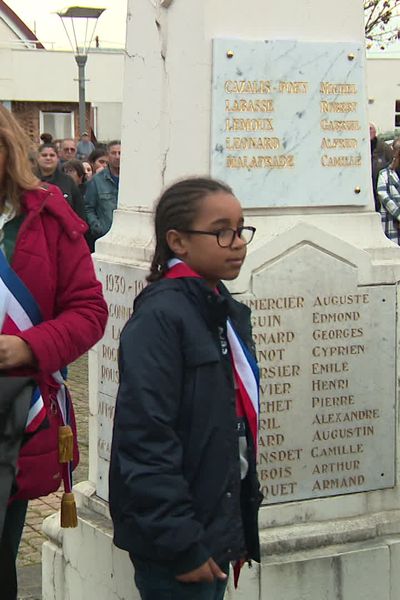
(40,86)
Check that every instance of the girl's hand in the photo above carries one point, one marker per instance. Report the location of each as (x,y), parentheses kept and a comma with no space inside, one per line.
(14,352)
(207,572)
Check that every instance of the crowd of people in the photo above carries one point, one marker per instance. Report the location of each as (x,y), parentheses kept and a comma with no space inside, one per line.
(87,175)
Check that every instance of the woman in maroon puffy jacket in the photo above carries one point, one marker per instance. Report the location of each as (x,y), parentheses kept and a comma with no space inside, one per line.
(43,241)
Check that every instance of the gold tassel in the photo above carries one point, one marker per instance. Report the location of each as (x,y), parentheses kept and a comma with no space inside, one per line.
(65,444)
(69,517)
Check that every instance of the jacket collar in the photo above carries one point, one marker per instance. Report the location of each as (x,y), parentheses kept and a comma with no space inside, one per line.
(46,199)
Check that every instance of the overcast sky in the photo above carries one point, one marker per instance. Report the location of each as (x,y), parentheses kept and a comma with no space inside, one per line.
(39,16)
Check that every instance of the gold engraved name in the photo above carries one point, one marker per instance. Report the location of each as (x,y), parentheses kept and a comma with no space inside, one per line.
(333,143)
(248,125)
(319,369)
(109,374)
(345,450)
(346,433)
(282,161)
(275,473)
(275,389)
(337,467)
(280,371)
(319,385)
(332,401)
(337,88)
(106,410)
(340,125)
(339,317)
(119,311)
(338,107)
(293,87)
(109,353)
(337,334)
(340,161)
(337,484)
(339,417)
(280,303)
(324,352)
(265,320)
(270,355)
(273,406)
(294,454)
(249,143)
(342,299)
(249,105)
(247,87)
(278,489)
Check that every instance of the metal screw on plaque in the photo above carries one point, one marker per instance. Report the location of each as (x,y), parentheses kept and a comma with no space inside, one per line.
(351,56)
(230,54)
(357,190)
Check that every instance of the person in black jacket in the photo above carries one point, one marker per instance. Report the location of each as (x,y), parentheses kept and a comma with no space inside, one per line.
(50,172)
(184,493)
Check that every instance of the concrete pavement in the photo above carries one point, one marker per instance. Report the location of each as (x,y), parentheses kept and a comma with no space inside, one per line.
(29,557)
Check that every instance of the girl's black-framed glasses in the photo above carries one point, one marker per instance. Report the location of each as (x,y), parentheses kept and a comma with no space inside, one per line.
(226,237)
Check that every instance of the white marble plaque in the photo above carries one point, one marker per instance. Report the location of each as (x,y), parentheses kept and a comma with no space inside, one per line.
(121,284)
(326,351)
(289,122)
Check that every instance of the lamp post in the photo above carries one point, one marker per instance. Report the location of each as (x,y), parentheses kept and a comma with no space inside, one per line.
(73,18)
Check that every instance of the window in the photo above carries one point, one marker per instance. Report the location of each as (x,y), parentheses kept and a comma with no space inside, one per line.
(59,124)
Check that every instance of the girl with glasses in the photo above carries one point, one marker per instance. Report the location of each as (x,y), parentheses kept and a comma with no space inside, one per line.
(184,493)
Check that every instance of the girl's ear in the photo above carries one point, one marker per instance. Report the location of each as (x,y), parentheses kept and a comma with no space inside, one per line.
(177,242)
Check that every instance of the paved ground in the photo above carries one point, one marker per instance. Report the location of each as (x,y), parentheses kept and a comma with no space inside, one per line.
(29,567)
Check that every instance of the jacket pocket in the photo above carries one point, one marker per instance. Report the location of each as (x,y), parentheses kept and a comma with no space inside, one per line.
(201,354)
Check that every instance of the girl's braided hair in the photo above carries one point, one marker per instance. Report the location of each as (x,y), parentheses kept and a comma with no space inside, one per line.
(177,209)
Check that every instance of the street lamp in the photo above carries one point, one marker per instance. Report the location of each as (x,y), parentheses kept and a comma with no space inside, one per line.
(72,19)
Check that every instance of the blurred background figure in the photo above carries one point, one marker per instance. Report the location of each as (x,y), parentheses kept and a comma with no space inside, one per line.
(102,193)
(389,195)
(98,159)
(49,172)
(67,150)
(75,169)
(381,156)
(84,146)
(46,138)
(88,170)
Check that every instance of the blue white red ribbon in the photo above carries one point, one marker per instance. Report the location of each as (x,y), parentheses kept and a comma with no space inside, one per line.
(244,364)
(18,312)
(247,380)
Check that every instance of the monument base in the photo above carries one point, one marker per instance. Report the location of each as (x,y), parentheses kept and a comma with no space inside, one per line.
(342,559)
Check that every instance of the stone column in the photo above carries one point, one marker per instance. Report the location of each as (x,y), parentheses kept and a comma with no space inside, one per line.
(320,277)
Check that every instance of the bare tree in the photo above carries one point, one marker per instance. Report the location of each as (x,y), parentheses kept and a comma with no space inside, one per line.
(381,24)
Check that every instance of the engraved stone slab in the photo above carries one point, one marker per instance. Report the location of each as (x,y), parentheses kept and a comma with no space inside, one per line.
(326,350)
(121,284)
(289,122)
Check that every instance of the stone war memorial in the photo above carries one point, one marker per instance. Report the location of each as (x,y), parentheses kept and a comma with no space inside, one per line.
(269,97)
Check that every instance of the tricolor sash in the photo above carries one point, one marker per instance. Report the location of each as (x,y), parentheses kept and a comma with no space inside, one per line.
(19,311)
(245,367)
(247,380)
(245,371)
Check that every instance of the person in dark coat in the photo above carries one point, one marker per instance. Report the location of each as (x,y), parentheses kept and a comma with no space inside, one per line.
(184,493)
(50,173)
